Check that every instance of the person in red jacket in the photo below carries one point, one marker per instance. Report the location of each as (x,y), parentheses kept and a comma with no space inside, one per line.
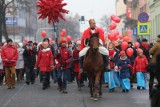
(139,68)
(45,62)
(64,58)
(76,66)
(9,57)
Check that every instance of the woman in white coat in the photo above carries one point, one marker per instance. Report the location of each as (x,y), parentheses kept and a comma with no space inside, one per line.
(20,62)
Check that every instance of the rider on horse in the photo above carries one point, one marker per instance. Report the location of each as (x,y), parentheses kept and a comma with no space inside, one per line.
(85,42)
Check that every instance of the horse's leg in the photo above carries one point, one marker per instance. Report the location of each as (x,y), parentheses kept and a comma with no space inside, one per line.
(91,85)
(100,89)
(97,78)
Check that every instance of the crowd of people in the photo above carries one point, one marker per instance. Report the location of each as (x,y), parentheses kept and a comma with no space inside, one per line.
(63,63)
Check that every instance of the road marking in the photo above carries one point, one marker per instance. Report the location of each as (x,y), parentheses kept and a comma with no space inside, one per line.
(9,100)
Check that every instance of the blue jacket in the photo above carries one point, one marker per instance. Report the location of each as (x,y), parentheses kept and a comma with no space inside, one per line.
(124,69)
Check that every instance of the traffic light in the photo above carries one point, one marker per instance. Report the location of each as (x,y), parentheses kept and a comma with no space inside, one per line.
(82,20)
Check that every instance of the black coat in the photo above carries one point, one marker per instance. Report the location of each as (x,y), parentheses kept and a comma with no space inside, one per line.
(30,57)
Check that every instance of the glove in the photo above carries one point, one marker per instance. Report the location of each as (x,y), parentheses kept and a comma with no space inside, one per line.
(111,60)
(64,64)
(120,67)
(128,65)
(6,60)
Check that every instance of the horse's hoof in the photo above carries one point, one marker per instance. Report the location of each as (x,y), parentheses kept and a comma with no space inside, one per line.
(91,98)
(95,99)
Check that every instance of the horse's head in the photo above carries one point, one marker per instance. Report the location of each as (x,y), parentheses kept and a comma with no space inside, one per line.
(94,42)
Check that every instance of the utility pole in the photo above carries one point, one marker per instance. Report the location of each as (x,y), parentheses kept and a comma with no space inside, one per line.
(14,9)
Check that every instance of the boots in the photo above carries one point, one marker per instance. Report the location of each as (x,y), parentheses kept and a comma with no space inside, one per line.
(81,63)
(105,62)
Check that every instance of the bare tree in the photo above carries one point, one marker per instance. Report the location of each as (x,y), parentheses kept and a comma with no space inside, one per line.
(105,21)
(71,25)
(3,29)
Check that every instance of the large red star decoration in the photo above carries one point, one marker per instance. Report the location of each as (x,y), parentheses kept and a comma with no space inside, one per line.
(51,9)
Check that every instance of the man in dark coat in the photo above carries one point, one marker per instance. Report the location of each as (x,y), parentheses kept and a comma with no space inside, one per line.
(30,60)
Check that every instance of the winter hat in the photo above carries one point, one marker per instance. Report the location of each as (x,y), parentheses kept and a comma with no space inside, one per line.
(122,53)
(139,51)
(9,40)
(63,40)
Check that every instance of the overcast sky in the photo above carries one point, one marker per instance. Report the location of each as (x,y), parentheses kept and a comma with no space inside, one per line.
(91,8)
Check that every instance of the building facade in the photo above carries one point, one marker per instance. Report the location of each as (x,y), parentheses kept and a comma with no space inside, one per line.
(121,12)
(154,6)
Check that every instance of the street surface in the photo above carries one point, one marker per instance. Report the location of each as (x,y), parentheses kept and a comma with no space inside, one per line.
(33,96)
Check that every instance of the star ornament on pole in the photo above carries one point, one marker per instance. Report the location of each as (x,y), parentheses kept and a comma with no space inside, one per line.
(51,9)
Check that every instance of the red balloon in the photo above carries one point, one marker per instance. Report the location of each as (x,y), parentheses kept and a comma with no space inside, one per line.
(64,32)
(111,36)
(113,17)
(43,34)
(120,37)
(116,32)
(69,38)
(112,26)
(117,20)
(130,52)
(116,37)
(124,45)
(137,45)
(25,40)
(127,39)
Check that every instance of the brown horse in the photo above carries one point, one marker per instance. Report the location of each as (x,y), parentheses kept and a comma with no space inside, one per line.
(94,67)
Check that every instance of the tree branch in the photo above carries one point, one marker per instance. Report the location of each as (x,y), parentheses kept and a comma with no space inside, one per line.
(8,4)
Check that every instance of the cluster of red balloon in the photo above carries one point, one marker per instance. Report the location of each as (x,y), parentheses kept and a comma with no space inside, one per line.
(63,34)
(114,35)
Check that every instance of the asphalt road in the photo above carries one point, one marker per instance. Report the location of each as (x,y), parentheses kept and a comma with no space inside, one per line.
(33,96)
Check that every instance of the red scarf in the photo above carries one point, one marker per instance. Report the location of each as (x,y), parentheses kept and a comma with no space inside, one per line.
(145,45)
(111,55)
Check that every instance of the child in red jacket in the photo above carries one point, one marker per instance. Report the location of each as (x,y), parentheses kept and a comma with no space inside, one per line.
(139,68)
(45,62)
(64,57)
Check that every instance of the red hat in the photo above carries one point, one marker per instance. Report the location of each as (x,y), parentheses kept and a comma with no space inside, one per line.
(139,51)
(122,53)
(63,39)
